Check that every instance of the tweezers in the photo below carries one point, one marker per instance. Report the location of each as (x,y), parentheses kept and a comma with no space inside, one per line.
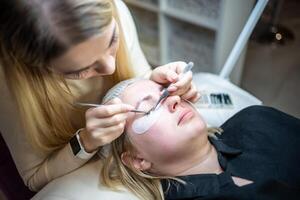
(165,91)
(97,105)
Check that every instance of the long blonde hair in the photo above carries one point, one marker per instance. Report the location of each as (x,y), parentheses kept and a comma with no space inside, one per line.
(115,173)
(29,40)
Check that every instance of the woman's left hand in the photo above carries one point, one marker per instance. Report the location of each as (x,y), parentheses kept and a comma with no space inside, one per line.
(169,74)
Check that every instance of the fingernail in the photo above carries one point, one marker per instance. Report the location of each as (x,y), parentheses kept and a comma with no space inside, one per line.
(172,88)
(174,77)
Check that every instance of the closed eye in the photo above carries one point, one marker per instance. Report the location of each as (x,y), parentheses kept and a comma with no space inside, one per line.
(148,97)
(78,75)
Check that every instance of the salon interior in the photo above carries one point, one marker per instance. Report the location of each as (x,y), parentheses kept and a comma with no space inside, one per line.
(205,32)
(244,52)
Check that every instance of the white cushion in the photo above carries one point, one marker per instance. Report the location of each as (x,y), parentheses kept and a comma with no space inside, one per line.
(82,184)
(241,99)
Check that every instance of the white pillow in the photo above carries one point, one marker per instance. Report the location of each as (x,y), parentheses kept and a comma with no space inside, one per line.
(82,184)
(241,99)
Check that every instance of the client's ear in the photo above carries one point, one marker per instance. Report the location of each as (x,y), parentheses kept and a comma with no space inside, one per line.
(137,162)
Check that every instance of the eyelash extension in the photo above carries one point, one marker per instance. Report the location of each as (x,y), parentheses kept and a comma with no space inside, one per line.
(79,75)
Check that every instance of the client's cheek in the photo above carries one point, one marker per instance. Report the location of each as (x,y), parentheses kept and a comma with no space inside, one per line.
(200,123)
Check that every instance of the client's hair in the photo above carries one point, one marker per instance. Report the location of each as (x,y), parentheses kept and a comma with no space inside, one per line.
(115,173)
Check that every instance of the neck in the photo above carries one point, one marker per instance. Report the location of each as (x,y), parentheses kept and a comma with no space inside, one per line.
(199,158)
(205,162)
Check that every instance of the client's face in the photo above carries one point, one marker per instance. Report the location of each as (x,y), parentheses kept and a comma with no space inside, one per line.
(172,132)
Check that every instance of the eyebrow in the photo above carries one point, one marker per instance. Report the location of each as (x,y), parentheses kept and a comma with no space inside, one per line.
(85,68)
(143,99)
(147,97)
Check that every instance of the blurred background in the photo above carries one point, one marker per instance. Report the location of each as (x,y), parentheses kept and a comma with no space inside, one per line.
(204,31)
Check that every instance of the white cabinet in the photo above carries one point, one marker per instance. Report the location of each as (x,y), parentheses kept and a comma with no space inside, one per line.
(202,31)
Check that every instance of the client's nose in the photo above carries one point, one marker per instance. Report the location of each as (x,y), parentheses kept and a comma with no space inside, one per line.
(172,102)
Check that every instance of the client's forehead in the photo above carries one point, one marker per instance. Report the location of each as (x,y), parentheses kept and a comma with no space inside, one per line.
(142,86)
(139,88)
(144,83)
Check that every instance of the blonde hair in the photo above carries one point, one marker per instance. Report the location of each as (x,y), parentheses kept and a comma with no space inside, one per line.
(29,40)
(114,172)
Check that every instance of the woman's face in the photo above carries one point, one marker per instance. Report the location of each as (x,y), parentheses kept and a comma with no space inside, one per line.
(175,132)
(93,57)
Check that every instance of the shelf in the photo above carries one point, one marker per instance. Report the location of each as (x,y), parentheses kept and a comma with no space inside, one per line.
(191,43)
(209,9)
(151,5)
(152,53)
(199,12)
(202,31)
(191,18)
(148,35)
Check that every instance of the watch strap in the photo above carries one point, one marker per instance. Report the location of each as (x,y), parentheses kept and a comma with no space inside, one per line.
(78,149)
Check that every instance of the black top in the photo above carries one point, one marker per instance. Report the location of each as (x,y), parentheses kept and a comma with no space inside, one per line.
(260,144)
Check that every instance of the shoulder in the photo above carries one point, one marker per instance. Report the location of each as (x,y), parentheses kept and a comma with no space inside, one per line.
(261,124)
(121,6)
(262,116)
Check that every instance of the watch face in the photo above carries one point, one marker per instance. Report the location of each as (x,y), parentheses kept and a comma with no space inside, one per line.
(75,145)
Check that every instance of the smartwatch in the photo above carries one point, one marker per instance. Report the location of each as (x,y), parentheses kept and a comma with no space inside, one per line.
(77,147)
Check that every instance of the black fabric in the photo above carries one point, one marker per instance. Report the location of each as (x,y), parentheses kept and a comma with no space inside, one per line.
(11,183)
(260,144)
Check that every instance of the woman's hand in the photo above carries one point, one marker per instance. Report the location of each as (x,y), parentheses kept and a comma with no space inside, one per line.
(183,87)
(104,124)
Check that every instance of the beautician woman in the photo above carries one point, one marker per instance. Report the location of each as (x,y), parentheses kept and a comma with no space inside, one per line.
(54,54)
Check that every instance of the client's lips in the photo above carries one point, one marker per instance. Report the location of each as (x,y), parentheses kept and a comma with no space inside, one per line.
(184,115)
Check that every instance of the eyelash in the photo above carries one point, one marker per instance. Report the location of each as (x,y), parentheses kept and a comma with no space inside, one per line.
(114,40)
(79,75)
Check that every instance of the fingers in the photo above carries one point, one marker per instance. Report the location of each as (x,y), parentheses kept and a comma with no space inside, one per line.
(168,73)
(171,76)
(182,85)
(195,98)
(114,101)
(177,66)
(103,136)
(192,94)
(108,110)
(108,121)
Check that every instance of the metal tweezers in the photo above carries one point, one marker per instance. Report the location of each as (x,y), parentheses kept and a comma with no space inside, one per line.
(97,105)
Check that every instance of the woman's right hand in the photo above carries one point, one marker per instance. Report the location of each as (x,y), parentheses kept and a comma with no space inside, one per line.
(104,124)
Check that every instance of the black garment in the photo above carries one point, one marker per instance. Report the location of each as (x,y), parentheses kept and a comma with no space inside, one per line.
(260,144)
